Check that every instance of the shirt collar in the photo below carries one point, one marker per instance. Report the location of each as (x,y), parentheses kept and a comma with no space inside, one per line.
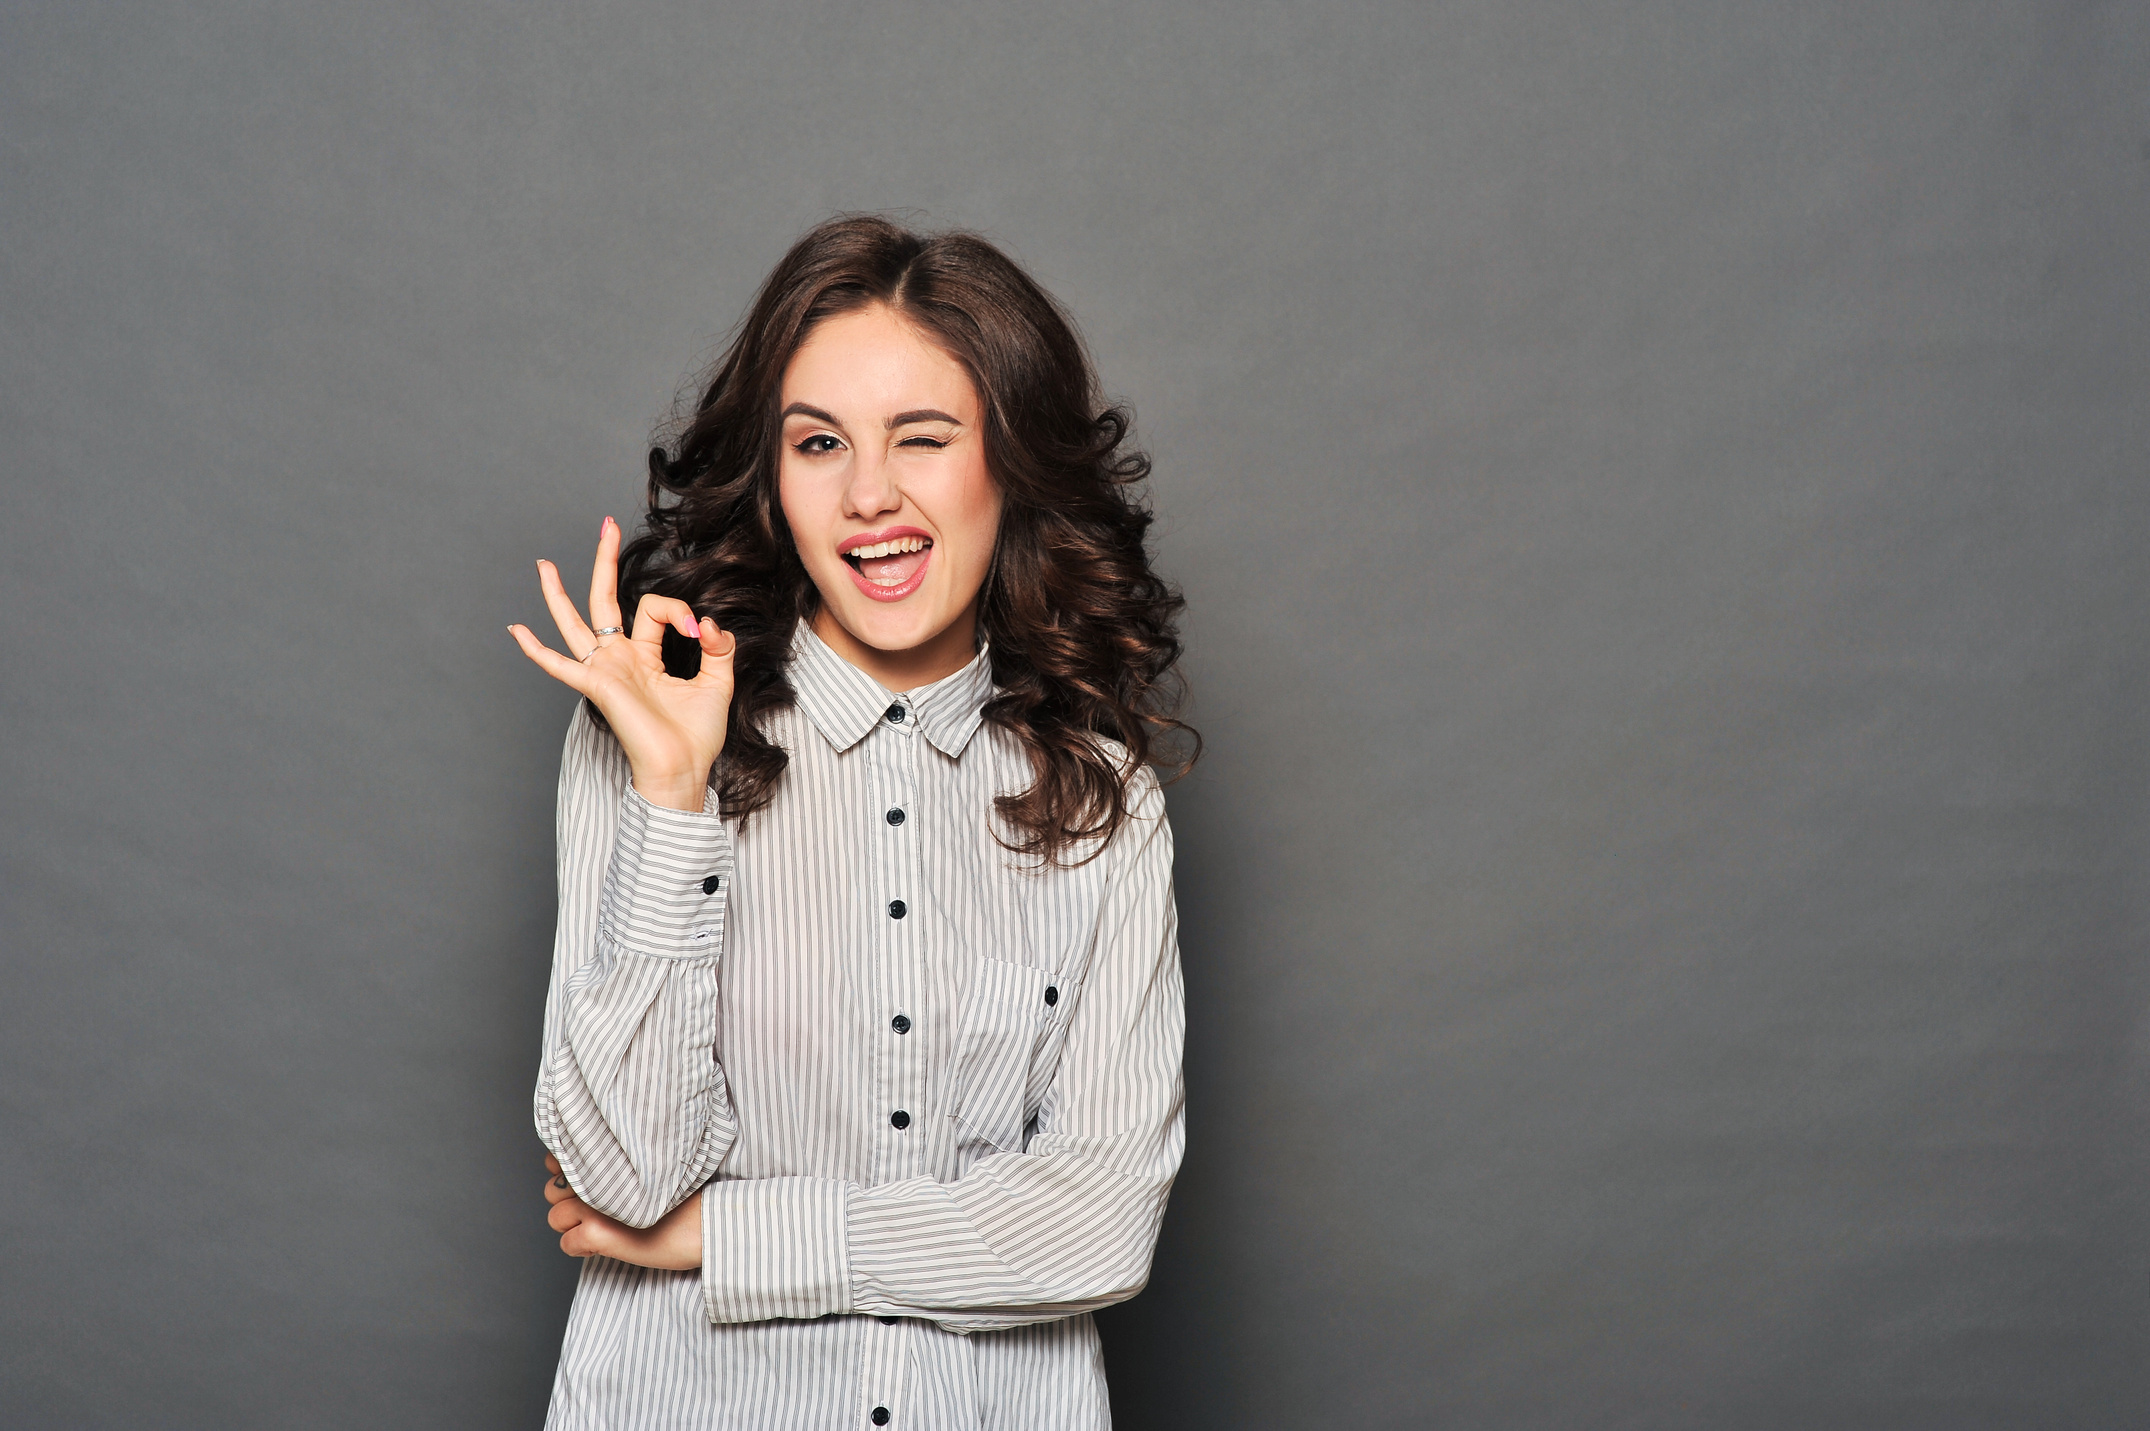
(844,702)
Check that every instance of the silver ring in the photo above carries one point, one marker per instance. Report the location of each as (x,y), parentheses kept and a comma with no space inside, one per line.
(601,631)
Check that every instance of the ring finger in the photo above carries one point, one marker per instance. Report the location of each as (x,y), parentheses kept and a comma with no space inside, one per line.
(580,642)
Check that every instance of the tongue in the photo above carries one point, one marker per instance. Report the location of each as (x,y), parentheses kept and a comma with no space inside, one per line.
(893,570)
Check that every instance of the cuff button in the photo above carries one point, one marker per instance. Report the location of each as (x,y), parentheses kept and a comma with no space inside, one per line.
(712,884)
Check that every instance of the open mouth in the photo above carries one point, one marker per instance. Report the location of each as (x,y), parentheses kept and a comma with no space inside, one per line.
(890,569)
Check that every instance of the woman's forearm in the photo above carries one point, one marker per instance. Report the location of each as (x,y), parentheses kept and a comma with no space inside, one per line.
(630,1098)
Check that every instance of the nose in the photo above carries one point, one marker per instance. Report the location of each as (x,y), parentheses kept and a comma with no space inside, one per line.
(871,490)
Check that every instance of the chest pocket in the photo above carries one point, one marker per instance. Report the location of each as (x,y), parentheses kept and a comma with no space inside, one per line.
(1006,1017)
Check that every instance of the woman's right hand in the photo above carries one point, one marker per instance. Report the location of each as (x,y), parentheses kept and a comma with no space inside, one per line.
(671,729)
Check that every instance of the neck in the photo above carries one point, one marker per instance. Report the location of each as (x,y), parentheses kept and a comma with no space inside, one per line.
(906,670)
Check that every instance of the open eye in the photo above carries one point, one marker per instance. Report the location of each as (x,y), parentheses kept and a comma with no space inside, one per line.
(819,443)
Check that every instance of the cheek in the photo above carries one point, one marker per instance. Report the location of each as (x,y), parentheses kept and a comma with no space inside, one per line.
(981,515)
(795,496)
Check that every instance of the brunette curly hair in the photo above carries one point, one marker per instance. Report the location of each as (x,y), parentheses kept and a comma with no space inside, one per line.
(1082,632)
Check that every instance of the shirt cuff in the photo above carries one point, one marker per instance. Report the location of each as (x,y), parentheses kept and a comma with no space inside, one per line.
(774,1247)
(670,878)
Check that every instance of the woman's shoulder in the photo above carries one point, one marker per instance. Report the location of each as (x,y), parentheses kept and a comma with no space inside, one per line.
(1143,831)
(1144,792)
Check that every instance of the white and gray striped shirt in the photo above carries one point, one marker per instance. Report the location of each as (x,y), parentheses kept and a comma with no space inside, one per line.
(930,1095)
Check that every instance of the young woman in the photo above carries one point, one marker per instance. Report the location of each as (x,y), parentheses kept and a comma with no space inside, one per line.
(861,1067)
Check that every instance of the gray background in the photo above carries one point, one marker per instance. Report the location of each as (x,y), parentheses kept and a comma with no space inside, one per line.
(1661,492)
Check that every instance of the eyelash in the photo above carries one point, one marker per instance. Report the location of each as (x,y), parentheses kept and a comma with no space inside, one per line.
(806,448)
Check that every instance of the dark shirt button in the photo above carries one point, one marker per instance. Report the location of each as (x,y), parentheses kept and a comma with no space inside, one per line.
(900,1024)
(1052,996)
(895,817)
(710,885)
(880,1416)
(899,1119)
(895,715)
(888,1321)
(896,909)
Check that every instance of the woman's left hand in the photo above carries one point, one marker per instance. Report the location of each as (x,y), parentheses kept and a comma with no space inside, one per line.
(673,1242)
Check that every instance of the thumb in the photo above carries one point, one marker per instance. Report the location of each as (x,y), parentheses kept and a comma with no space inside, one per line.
(717,646)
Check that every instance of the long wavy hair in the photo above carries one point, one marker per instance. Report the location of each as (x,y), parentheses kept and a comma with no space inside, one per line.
(1082,633)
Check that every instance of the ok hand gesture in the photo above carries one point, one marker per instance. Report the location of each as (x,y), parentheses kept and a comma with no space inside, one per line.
(671,729)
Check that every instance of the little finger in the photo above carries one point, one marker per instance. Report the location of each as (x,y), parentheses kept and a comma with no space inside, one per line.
(569,673)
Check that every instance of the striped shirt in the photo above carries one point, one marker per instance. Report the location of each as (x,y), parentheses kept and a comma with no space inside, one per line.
(928,1093)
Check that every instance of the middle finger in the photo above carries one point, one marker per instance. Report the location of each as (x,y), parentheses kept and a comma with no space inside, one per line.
(605,577)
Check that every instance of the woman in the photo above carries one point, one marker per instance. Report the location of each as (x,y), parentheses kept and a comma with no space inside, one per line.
(861,1066)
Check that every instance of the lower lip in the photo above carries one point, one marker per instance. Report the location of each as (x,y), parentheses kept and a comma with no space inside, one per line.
(892,593)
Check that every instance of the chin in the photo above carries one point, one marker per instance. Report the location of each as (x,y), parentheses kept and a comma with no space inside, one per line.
(888,628)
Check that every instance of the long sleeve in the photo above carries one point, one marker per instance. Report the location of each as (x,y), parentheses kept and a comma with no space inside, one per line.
(630,1097)
(1066,1224)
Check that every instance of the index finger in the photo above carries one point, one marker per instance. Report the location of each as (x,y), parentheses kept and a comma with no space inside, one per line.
(605,577)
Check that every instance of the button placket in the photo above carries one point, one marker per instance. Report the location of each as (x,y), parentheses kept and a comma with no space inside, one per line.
(898,1058)
(885,1374)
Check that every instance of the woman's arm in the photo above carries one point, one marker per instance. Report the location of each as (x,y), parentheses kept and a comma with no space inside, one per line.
(630,1098)
(1064,1226)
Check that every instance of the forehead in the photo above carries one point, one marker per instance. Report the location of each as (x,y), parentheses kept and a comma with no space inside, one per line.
(871,358)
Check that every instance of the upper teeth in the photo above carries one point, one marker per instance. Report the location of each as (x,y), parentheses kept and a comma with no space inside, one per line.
(891,547)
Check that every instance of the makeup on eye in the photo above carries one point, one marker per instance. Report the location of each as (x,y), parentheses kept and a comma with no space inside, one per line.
(820,444)
(895,421)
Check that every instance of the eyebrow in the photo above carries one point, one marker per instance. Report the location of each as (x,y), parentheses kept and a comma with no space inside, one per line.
(800,409)
(921,414)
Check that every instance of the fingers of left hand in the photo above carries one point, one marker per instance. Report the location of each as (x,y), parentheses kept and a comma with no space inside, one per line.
(584,1233)
(570,1213)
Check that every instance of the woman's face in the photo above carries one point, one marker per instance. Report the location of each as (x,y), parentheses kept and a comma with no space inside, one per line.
(883,480)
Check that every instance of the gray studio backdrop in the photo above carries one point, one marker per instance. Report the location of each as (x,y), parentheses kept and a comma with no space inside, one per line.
(1661,493)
